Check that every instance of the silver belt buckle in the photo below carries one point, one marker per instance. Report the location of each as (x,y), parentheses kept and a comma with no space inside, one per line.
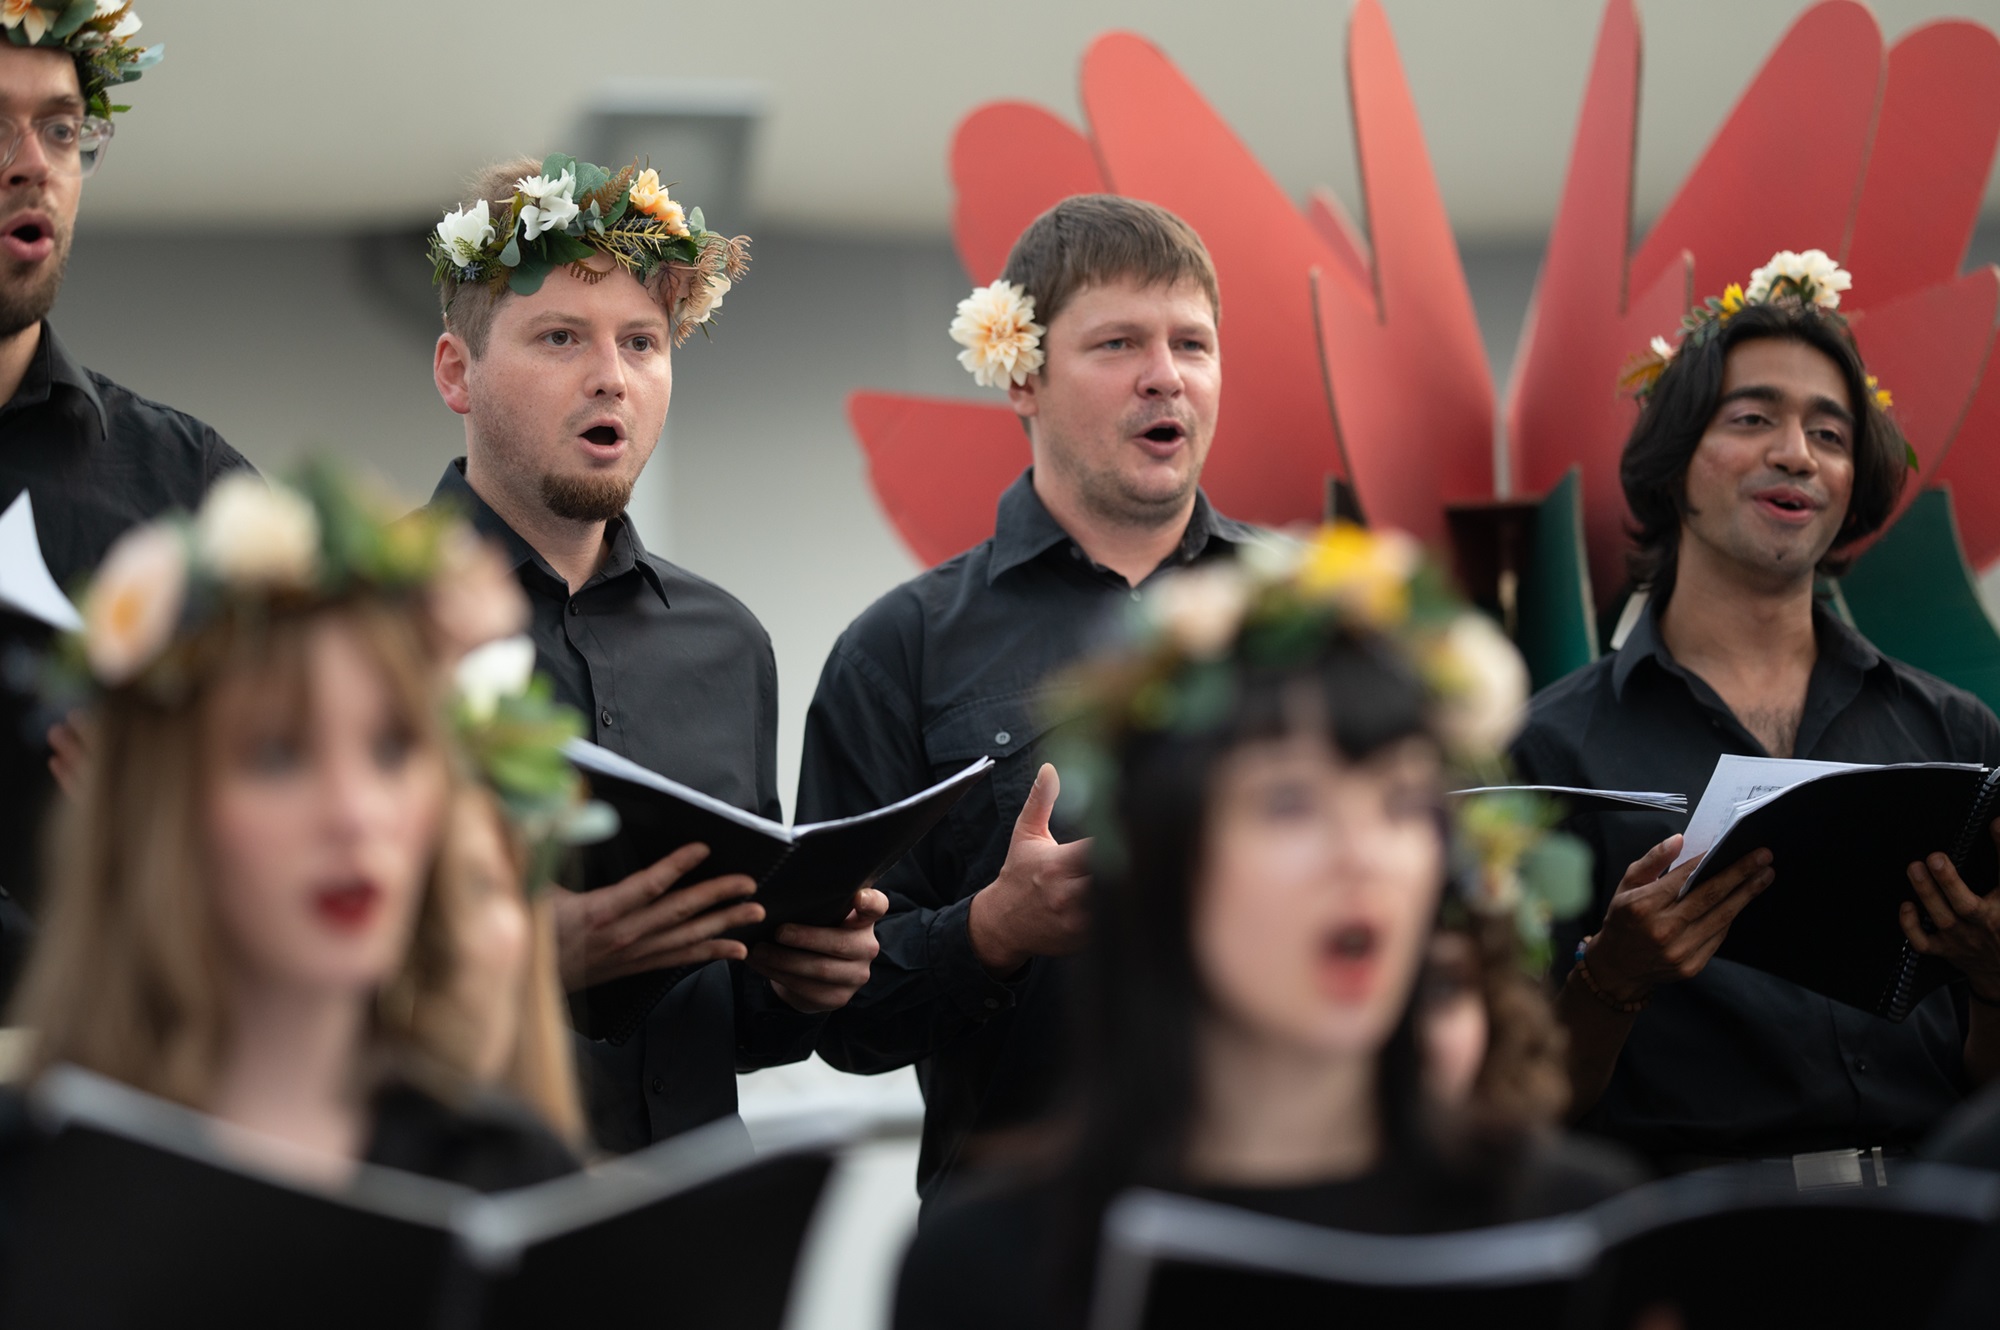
(1825,1169)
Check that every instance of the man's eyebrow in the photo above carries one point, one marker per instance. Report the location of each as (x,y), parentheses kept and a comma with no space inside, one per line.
(61,101)
(1764,392)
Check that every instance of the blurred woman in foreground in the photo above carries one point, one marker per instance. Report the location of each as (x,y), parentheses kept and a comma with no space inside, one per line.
(245,916)
(1264,772)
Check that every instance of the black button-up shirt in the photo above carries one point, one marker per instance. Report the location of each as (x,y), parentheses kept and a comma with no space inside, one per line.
(1736,1062)
(676,674)
(96,460)
(949,667)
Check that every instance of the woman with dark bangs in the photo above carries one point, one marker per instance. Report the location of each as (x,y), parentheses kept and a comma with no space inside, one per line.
(1267,789)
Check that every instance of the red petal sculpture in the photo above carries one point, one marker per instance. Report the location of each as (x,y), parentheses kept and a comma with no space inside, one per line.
(1760,188)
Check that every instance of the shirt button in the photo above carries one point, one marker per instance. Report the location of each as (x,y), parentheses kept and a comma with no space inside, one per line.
(992,1004)
(607,718)
(1861,1064)
(574,609)
(1002,738)
(659,1086)
(1075,553)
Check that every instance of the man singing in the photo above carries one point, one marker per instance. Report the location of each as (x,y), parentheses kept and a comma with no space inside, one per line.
(564,290)
(94,457)
(1117,386)
(1762,452)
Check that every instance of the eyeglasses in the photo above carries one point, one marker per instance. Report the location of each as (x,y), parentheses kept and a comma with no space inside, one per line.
(73,144)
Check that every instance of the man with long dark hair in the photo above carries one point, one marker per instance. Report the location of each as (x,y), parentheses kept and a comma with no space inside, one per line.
(1762,454)
(1118,386)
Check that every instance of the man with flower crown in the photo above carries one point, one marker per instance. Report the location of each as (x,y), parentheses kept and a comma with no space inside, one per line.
(565,288)
(1103,332)
(1762,454)
(92,457)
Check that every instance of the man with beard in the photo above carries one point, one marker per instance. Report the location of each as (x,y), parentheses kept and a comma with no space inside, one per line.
(93,457)
(557,351)
(1118,388)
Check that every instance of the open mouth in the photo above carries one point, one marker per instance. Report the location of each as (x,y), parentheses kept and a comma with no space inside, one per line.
(1349,961)
(1787,505)
(30,239)
(602,435)
(348,906)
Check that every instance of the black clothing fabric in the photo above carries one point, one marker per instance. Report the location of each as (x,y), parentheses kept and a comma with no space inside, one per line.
(489,1142)
(987,1259)
(1735,1062)
(96,459)
(1970,1137)
(676,674)
(949,667)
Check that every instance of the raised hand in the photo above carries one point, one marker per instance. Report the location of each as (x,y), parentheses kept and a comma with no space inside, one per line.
(642,924)
(1036,907)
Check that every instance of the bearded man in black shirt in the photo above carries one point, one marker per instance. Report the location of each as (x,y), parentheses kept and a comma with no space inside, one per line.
(557,351)
(1118,387)
(93,457)
(1762,453)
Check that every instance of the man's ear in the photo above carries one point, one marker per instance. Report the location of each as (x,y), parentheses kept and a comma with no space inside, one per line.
(451,366)
(1025,398)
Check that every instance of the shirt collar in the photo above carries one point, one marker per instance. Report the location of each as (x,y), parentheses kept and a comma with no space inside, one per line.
(53,367)
(1024,530)
(1838,643)
(627,551)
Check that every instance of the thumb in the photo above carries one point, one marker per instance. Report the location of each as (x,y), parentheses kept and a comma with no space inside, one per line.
(1034,819)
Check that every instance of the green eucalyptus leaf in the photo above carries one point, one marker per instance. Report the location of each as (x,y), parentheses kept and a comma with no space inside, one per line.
(562,248)
(695,222)
(527,279)
(510,254)
(73,17)
(556,163)
(590,177)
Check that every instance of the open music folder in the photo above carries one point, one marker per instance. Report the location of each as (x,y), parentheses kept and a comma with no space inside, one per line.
(1842,838)
(805,874)
(135,1211)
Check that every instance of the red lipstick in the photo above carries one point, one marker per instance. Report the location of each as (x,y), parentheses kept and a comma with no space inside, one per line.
(347,907)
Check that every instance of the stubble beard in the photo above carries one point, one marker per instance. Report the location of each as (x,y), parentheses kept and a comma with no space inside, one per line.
(1113,499)
(28,291)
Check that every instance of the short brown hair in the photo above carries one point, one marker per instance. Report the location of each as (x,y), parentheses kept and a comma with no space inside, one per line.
(1090,239)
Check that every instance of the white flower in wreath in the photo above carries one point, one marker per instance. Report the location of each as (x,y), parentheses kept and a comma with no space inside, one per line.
(26,15)
(1814,271)
(1663,348)
(465,233)
(125,27)
(1201,609)
(492,672)
(996,326)
(252,534)
(1485,690)
(134,602)
(703,298)
(550,203)
(106,8)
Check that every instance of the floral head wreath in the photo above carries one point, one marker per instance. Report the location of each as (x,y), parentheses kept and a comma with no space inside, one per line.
(254,548)
(573,211)
(512,731)
(97,34)
(1280,603)
(996,326)
(1810,281)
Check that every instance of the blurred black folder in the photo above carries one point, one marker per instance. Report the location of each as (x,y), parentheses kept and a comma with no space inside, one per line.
(806,874)
(1841,845)
(134,1213)
(1175,1263)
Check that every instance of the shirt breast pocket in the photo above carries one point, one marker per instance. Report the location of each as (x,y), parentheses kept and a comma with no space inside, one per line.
(1009,729)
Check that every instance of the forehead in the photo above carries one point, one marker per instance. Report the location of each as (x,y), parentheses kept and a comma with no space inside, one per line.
(1792,367)
(1131,299)
(32,78)
(616,300)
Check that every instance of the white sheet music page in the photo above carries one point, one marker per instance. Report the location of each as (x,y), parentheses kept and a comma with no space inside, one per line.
(26,586)
(1738,781)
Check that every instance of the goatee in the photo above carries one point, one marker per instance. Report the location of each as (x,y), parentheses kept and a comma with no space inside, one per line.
(26,298)
(586,498)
